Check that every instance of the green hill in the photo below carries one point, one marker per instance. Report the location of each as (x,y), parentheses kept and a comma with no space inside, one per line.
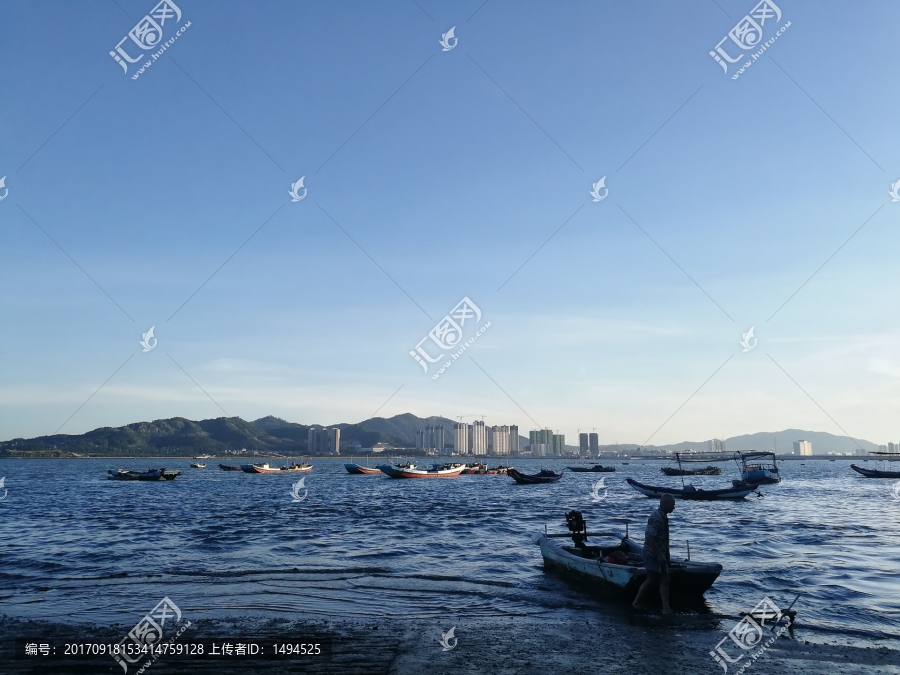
(175,436)
(180,436)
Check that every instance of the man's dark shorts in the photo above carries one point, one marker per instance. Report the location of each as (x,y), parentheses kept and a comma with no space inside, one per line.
(651,564)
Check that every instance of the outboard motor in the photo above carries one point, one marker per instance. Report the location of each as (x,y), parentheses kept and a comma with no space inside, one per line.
(578,527)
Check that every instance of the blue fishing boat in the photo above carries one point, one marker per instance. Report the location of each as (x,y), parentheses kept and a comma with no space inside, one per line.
(757,468)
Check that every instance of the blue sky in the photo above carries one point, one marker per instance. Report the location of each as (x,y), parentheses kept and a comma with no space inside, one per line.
(434,175)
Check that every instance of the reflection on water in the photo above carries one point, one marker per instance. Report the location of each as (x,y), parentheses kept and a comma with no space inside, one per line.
(77,547)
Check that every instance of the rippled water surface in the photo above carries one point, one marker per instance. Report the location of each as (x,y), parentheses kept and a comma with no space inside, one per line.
(77,547)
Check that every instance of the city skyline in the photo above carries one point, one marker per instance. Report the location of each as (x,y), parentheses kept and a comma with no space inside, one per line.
(650,263)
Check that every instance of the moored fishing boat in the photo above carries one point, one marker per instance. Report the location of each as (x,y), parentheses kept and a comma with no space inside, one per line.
(757,468)
(358,469)
(226,467)
(197,465)
(691,492)
(263,467)
(411,471)
(148,475)
(886,458)
(597,468)
(618,566)
(875,473)
(543,476)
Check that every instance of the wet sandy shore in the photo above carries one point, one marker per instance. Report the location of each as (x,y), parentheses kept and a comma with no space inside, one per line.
(511,645)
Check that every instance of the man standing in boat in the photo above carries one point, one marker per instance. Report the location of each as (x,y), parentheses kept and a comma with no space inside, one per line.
(656,554)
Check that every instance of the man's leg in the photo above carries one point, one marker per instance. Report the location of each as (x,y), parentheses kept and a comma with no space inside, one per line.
(664,590)
(650,582)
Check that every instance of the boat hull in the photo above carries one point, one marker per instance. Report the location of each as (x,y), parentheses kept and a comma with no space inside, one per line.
(394,471)
(760,477)
(688,579)
(225,467)
(593,469)
(253,468)
(694,495)
(357,469)
(151,475)
(875,473)
(534,479)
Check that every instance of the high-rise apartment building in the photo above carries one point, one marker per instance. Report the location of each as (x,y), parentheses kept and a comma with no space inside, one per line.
(540,450)
(477,438)
(594,442)
(462,438)
(544,436)
(514,441)
(559,444)
(803,448)
(499,440)
(716,445)
(323,441)
(584,449)
(430,438)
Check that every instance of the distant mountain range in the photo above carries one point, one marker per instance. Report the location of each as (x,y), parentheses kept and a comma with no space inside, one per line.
(781,442)
(180,436)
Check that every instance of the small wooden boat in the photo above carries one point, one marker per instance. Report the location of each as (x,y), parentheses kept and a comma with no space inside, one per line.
(618,566)
(690,492)
(263,467)
(149,474)
(410,471)
(357,469)
(197,465)
(226,467)
(597,468)
(543,476)
(875,473)
(707,471)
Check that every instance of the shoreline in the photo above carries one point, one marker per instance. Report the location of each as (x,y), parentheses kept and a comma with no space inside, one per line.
(496,644)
